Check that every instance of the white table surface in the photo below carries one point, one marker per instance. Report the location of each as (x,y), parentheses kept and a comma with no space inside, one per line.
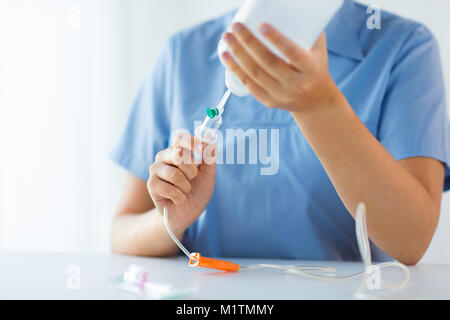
(44,276)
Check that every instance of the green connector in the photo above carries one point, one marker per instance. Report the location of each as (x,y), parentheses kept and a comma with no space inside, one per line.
(212,112)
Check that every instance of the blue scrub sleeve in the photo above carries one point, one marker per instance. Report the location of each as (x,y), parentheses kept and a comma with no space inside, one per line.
(414,120)
(147,130)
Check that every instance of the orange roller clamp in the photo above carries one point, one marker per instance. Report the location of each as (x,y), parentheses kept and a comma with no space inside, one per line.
(198,261)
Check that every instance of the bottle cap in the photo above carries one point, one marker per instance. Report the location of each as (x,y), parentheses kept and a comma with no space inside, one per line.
(212,112)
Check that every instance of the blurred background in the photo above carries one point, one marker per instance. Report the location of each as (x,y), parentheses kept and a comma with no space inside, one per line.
(69,71)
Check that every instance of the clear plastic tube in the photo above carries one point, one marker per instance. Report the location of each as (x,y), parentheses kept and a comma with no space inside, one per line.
(208,130)
(364,247)
(174,238)
(208,133)
(317,272)
(223,102)
(306,271)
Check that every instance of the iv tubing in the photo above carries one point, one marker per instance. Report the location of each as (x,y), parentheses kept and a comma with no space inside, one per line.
(222,102)
(303,270)
(174,238)
(314,271)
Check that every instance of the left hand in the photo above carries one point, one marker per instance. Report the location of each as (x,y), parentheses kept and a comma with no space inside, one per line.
(303,83)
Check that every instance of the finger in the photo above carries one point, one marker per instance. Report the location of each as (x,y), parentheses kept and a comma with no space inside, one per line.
(189,170)
(276,66)
(320,47)
(174,156)
(260,93)
(191,143)
(171,174)
(163,189)
(181,158)
(298,56)
(208,167)
(248,64)
(209,155)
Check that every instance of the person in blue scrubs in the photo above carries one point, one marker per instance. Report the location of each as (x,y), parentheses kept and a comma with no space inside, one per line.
(359,118)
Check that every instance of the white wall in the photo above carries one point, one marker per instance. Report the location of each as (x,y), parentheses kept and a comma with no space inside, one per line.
(56,110)
(65,92)
(64,97)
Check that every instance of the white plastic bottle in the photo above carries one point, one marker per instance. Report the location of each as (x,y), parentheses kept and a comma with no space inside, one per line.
(300,20)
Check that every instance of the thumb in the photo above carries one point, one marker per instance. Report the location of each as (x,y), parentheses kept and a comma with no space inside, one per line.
(208,165)
(320,45)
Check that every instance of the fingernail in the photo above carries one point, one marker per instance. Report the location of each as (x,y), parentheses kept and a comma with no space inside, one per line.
(178,138)
(211,150)
(210,155)
(237,27)
(226,56)
(228,37)
(265,28)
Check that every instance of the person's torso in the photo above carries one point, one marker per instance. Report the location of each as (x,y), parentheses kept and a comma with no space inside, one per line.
(272,196)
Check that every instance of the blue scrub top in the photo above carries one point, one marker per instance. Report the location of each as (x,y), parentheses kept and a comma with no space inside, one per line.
(393,80)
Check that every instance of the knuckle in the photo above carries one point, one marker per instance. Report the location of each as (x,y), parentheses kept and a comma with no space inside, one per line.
(235,48)
(188,171)
(270,60)
(296,56)
(152,183)
(158,156)
(177,156)
(289,47)
(188,158)
(162,191)
(183,199)
(234,68)
(232,65)
(248,37)
(176,176)
(174,193)
(152,169)
(245,80)
(275,39)
(254,71)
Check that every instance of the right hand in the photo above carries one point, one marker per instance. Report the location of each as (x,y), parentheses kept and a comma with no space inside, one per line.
(176,182)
